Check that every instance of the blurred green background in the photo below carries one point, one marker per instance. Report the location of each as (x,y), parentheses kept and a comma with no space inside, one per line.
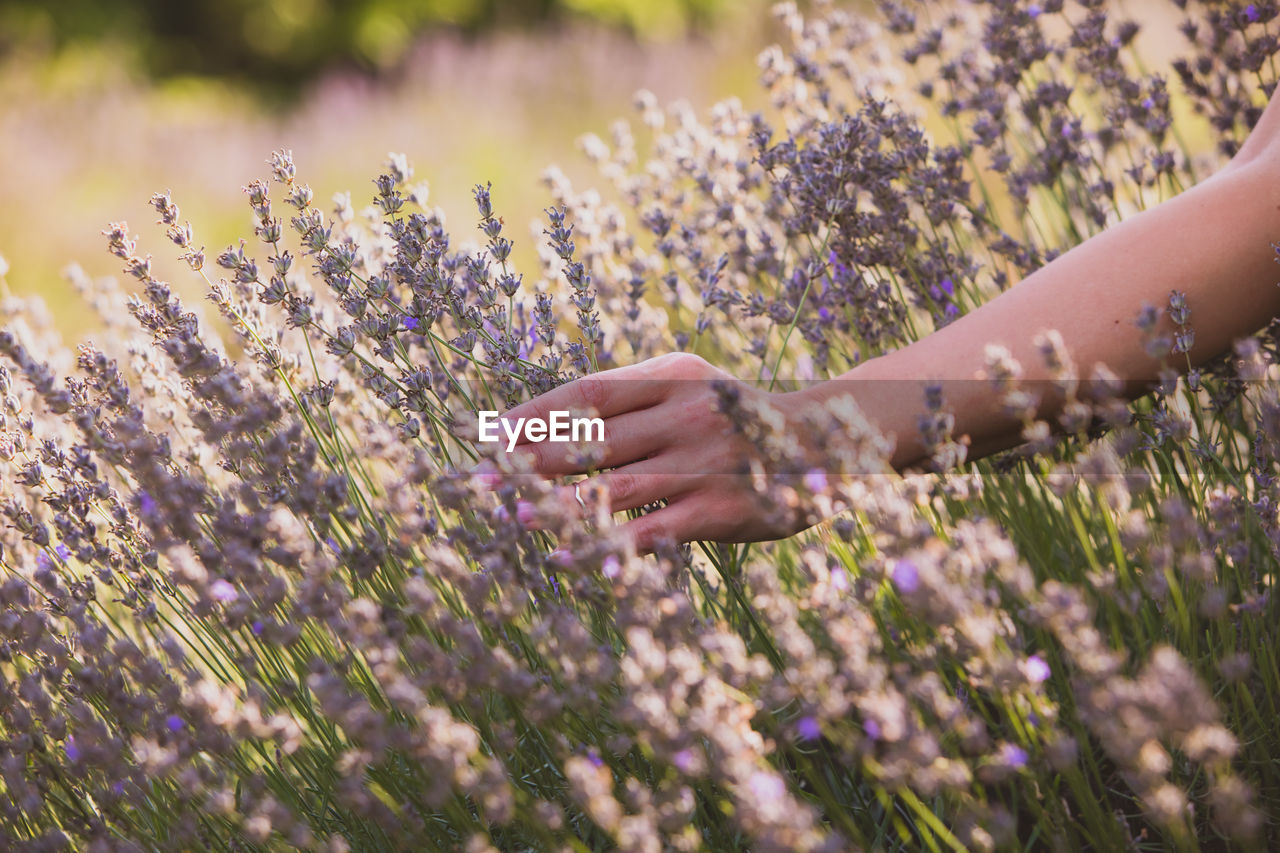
(103,102)
(278,45)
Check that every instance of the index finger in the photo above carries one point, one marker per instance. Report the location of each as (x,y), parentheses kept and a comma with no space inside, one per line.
(609,393)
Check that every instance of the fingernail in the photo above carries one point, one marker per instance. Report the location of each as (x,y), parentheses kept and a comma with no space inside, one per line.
(525,513)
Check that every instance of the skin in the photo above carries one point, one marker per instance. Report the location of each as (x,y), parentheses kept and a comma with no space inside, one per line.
(1212,242)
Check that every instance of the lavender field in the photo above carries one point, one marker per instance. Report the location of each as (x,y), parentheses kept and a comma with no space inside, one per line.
(261,588)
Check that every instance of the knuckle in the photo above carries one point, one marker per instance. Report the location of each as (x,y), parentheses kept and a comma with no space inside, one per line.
(591,392)
(683,364)
(650,530)
(622,487)
(702,412)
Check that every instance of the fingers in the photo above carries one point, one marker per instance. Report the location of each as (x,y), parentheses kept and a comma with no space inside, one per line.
(609,393)
(627,437)
(633,486)
(671,524)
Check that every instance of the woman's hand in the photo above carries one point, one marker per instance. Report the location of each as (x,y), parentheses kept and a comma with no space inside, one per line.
(665,438)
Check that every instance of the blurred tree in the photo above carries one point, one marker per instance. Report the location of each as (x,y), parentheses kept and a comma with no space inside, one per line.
(279,44)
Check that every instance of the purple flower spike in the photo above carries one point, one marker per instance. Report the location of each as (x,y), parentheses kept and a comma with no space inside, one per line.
(906,577)
(146,503)
(808,729)
(258,627)
(410,323)
(73,751)
(63,551)
(1251,13)
(174,723)
(816,480)
(872,729)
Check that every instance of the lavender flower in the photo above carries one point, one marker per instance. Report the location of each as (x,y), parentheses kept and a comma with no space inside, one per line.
(905,576)
(1013,755)
(1037,670)
(807,728)
(611,567)
(222,590)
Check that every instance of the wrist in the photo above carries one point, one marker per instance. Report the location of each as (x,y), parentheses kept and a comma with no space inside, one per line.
(890,405)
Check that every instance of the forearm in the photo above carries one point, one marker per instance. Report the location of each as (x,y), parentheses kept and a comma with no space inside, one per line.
(1211,242)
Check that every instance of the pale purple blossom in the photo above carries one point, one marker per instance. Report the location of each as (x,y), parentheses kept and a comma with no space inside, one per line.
(1037,670)
(808,728)
(1013,755)
(223,590)
(767,787)
(684,761)
(611,567)
(839,579)
(906,576)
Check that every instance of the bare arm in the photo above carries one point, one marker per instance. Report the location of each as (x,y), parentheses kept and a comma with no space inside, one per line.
(1211,242)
